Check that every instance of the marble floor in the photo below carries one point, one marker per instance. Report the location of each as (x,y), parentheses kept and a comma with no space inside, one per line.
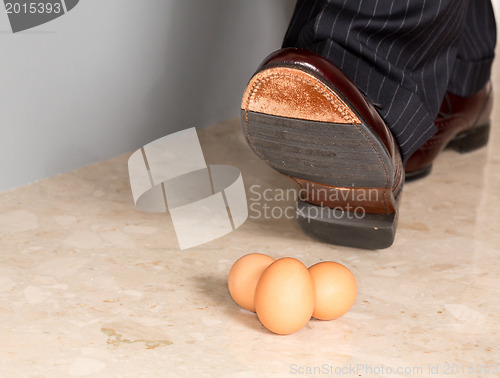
(89,286)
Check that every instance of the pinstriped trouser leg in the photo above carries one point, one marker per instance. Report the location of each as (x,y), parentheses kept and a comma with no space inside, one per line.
(403,54)
(472,68)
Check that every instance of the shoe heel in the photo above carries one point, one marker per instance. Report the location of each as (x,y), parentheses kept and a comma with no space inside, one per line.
(471,140)
(418,174)
(339,227)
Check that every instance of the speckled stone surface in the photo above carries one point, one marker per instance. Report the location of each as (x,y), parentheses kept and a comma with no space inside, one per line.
(89,286)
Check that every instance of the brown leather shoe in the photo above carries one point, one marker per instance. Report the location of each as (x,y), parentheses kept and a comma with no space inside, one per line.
(463,124)
(308,121)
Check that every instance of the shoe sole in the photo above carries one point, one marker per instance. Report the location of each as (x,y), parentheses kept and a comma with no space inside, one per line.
(304,128)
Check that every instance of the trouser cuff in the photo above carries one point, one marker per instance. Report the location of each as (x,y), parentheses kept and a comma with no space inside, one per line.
(469,77)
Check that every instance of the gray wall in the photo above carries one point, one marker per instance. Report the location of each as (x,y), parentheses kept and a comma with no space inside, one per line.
(112,75)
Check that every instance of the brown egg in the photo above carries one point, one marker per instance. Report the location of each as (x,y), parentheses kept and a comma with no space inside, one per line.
(243,278)
(336,289)
(284,297)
